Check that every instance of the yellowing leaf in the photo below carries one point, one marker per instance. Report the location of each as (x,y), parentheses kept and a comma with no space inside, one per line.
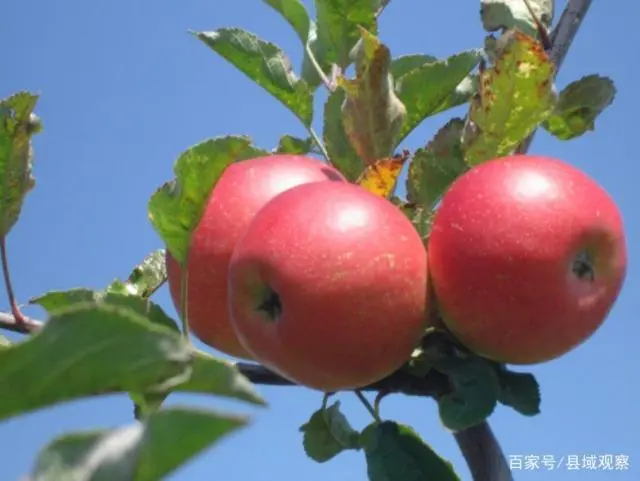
(380,177)
(515,95)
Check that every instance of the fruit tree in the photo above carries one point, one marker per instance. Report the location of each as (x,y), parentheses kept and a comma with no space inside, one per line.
(306,267)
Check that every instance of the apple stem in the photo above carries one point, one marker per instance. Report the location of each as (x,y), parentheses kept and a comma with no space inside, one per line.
(365,402)
(15,310)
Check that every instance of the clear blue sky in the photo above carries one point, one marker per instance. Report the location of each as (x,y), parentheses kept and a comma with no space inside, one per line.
(125,90)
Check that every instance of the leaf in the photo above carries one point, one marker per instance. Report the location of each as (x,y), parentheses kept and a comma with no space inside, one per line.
(217,377)
(474,396)
(90,348)
(515,96)
(579,104)
(508,14)
(55,302)
(146,451)
(175,208)
(18,123)
(519,391)
(265,64)
(462,94)
(406,63)
(328,433)
(395,452)
(341,153)
(426,88)
(147,277)
(295,13)
(372,114)
(294,145)
(4,342)
(434,168)
(336,32)
(380,177)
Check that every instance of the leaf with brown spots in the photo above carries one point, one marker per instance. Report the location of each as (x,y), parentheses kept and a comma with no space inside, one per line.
(380,178)
(372,114)
(515,96)
(435,167)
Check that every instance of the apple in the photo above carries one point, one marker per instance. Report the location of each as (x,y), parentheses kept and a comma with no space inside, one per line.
(241,191)
(527,256)
(328,286)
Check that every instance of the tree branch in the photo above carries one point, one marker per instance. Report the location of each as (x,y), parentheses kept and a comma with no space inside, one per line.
(25,326)
(561,39)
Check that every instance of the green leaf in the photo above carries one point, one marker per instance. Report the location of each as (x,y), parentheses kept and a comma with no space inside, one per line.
(55,302)
(293,145)
(146,451)
(425,89)
(220,378)
(148,276)
(434,168)
(175,208)
(406,63)
(341,153)
(519,391)
(579,104)
(474,396)
(328,433)
(515,96)
(265,64)
(295,13)
(372,114)
(507,14)
(336,32)
(4,342)
(90,348)
(18,123)
(462,94)
(395,452)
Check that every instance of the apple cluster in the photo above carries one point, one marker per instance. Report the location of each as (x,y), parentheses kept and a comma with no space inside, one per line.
(331,285)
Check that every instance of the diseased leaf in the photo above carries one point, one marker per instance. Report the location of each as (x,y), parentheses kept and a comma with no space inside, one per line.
(295,13)
(474,396)
(380,177)
(515,96)
(579,105)
(341,153)
(425,90)
(293,145)
(328,433)
(434,168)
(18,124)
(145,451)
(395,452)
(507,14)
(265,64)
(175,208)
(372,114)
(90,348)
(520,391)
(336,32)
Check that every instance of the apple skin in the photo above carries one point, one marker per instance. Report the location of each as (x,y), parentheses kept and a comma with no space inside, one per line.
(241,191)
(502,252)
(328,286)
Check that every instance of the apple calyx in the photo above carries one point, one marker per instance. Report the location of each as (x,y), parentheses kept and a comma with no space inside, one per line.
(582,266)
(270,304)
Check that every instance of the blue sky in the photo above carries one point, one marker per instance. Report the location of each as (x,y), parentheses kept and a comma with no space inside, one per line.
(125,90)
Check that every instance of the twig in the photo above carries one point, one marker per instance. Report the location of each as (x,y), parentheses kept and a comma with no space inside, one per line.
(15,310)
(561,39)
(28,326)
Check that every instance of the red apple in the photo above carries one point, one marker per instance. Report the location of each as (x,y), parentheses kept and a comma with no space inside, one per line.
(527,256)
(241,191)
(328,286)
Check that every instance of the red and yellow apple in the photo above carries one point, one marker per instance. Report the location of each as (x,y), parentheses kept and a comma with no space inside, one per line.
(328,286)
(241,191)
(527,256)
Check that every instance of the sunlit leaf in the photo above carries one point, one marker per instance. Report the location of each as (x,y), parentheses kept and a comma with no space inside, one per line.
(380,177)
